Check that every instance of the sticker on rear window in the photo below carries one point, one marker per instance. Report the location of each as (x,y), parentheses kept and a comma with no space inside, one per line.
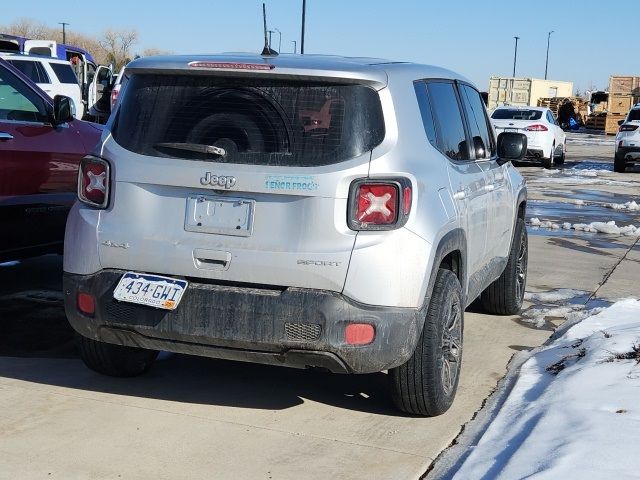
(291,182)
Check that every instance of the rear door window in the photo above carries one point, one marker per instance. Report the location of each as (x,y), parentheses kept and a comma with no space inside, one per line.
(64,72)
(252,121)
(34,70)
(452,138)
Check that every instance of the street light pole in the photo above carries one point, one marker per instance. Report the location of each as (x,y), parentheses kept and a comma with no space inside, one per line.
(515,56)
(295,46)
(304,9)
(279,40)
(270,32)
(64,32)
(546,64)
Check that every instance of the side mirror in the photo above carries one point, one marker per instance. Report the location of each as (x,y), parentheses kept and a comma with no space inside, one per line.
(620,122)
(64,110)
(512,146)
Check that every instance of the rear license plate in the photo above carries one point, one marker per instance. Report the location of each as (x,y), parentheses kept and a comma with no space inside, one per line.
(151,290)
(514,130)
(224,216)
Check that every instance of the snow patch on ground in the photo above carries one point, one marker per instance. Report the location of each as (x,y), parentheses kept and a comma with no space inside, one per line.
(537,317)
(553,295)
(594,227)
(632,206)
(573,411)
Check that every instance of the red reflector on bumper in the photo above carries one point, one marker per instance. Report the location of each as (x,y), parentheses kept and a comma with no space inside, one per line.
(86,303)
(359,334)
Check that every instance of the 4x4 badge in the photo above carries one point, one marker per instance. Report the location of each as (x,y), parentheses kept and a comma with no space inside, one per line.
(218,180)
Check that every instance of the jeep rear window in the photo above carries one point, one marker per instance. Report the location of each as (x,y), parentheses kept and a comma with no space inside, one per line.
(253,121)
(516,114)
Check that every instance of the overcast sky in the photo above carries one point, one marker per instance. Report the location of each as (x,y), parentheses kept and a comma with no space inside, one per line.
(473,37)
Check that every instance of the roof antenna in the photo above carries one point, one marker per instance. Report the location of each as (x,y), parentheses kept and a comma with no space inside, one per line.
(267,51)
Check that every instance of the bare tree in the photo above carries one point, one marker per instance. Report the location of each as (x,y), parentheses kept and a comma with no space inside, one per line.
(26,27)
(151,52)
(117,45)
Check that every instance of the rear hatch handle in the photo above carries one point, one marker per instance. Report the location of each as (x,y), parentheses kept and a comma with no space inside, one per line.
(211,259)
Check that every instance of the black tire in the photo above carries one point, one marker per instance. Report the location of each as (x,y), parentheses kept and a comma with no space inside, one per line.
(114,360)
(559,160)
(504,296)
(426,384)
(619,164)
(547,162)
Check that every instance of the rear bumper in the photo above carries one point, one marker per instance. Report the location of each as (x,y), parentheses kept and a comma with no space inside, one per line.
(293,327)
(630,154)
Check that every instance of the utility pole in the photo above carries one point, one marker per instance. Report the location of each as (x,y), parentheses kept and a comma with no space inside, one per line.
(546,64)
(515,56)
(295,46)
(64,32)
(304,9)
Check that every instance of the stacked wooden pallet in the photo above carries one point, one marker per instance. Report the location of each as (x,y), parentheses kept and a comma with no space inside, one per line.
(596,121)
(624,92)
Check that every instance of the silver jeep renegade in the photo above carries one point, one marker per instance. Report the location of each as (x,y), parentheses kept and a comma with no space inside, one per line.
(307,211)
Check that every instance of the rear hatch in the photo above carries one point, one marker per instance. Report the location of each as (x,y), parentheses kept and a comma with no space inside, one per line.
(239,179)
(517,120)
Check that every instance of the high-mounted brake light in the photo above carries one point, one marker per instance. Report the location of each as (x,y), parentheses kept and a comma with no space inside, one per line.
(628,127)
(536,128)
(232,65)
(93,182)
(379,204)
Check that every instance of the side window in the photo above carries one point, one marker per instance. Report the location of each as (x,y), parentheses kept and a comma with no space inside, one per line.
(425,111)
(18,102)
(64,72)
(42,73)
(550,117)
(482,138)
(451,136)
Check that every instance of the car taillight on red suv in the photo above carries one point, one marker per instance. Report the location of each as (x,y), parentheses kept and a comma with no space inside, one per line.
(379,204)
(93,182)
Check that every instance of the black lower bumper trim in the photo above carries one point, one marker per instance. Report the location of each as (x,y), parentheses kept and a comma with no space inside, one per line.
(292,327)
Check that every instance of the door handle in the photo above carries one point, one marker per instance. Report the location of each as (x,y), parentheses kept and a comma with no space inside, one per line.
(459,195)
(5,136)
(489,188)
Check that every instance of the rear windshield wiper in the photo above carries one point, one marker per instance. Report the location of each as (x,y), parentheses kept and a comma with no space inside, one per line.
(194,147)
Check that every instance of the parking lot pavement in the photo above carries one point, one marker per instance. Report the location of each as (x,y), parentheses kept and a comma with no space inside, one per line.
(202,418)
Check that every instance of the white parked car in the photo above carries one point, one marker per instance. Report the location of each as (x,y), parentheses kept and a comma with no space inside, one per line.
(628,140)
(546,141)
(54,76)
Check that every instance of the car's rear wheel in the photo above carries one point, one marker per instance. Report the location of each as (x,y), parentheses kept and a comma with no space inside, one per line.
(114,360)
(548,161)
(505,295)
(559,160)
(426,384)
(619,164)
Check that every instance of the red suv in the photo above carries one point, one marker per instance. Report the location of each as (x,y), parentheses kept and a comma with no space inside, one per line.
(41,145)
